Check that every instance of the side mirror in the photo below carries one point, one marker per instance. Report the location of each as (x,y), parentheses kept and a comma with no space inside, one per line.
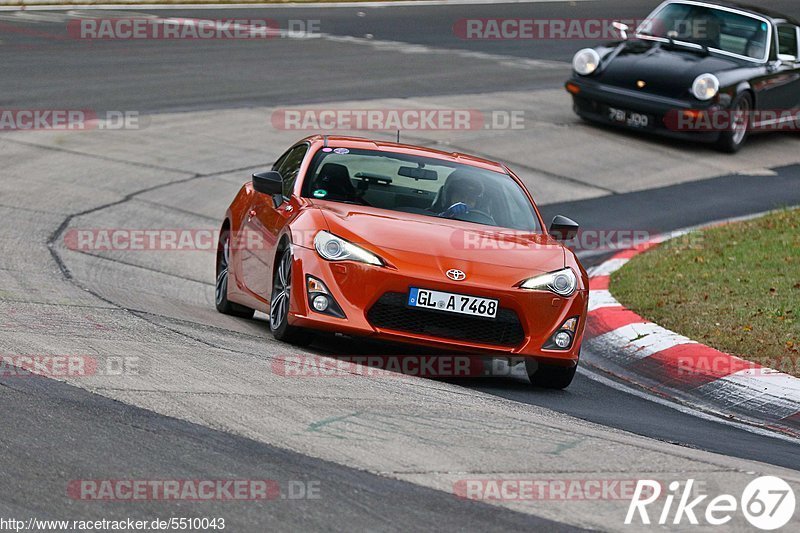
(622,28)
(787,59)
(269,182)
(563,228)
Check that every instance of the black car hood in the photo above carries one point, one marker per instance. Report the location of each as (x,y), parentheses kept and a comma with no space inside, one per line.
(666,70)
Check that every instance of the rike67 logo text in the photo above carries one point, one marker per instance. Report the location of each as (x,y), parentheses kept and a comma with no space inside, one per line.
(767,502)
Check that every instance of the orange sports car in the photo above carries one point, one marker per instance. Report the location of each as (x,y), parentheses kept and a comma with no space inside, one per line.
(405,244)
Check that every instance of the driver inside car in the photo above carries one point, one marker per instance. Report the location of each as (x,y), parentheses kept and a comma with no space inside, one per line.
(460,193)
(706,31)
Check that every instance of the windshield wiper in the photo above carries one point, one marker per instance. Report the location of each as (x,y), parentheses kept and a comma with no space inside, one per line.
(687,45)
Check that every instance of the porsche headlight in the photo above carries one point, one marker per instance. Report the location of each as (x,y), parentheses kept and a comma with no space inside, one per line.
(705,87)
(562,282)
(335,248)
(586,61)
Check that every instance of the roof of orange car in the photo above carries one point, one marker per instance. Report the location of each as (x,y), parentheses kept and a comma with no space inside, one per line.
(342,141)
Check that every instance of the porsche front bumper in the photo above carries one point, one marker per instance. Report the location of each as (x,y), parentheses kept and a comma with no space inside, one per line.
(594,99)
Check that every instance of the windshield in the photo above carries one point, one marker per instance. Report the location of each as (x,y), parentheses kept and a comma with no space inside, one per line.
(716,29)
(420,185)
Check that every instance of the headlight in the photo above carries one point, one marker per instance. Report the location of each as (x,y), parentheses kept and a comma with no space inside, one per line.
(562,282)
(334,248)
(586,61)
(705,87)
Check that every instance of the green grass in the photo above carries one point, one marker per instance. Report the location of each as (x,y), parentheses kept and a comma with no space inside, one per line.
(735,288)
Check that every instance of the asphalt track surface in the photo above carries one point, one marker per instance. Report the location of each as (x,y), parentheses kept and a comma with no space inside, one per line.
(41,69)
(114,436)
(176,75)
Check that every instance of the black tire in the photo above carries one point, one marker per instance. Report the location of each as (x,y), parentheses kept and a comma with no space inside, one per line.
(734,137)
(549,376)
(221,301)
(279,304)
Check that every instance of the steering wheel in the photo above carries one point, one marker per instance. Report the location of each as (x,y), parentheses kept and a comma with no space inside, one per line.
(481,218)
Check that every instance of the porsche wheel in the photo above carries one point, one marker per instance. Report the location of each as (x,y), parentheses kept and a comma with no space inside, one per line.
(733,138)
(221,287)
(279,304)
(549,376)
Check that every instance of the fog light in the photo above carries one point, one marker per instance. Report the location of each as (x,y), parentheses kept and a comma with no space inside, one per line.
(320,298)
(562,339)
(320,303)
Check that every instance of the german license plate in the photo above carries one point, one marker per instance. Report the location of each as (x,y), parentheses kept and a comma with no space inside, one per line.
(452,303)
(629,118)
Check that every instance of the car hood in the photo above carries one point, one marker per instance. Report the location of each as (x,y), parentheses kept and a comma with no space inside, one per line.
(666,70)
(419,240)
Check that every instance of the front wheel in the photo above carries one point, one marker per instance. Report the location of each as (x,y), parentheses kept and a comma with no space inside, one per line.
(549,376)
(734,136)
(279,304)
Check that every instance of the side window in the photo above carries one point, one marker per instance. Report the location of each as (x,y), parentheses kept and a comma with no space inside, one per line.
(280,160)
(289,167)
(787,40)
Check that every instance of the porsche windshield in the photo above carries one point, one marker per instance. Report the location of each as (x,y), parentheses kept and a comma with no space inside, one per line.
(708,27)
(419,185)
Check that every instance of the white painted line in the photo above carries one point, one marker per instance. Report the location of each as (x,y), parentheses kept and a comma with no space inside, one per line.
(376,44)
(255,31)
(766,390)
(651,338)
(732,395)
(29,17)
(696,411)
(300,5)
(642,339)
(603,298)
(609,267)
(409,48)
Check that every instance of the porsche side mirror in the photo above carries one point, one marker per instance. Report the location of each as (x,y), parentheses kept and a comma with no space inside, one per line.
(622,28)
(563,228)
(269,182)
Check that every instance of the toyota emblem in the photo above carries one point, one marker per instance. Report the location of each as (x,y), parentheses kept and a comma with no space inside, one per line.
(456,275)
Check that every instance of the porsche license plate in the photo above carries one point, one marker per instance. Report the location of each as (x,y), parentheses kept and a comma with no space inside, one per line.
(629,118)
(452,303)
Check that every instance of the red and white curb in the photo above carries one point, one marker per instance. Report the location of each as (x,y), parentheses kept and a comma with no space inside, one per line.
(679,368)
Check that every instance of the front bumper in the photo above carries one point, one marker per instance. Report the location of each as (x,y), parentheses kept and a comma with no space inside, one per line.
(594,99)
(372,299)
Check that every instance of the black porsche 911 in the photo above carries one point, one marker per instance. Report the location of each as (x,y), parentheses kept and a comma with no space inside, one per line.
(707,71)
